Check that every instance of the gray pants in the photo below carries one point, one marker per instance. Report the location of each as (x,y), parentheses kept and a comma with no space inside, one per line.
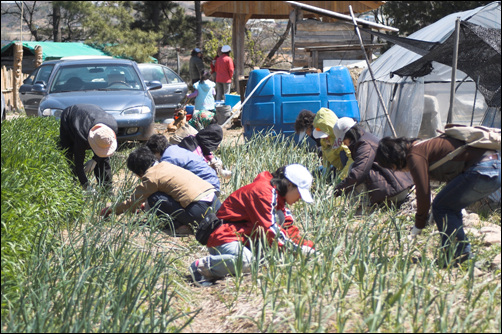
(226,259)
(222,89)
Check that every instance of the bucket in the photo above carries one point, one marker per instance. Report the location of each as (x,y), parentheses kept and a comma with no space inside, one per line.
(189,109)
(223,113)
(231,100)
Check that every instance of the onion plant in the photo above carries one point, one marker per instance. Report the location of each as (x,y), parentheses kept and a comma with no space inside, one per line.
(67,269)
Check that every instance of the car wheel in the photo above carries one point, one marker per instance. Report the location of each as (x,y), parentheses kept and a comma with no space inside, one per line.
(149,131)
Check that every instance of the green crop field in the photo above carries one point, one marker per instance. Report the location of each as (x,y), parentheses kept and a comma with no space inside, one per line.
(64,269)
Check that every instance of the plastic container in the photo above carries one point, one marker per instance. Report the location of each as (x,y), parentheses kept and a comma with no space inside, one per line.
(223,113)
(231,100)
(279,99)
(189,109)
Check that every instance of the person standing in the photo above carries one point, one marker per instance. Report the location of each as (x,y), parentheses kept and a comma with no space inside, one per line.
(196,65)
(224,73)
(470,176)
(87,126)
(213,64)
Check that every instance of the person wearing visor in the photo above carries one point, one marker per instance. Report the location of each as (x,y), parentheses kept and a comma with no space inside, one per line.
(250,213)
(380,185)
(224,68)
(320,127)
(83,127)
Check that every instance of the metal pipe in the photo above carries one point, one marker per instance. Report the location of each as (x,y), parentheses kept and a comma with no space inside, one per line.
(449,119)
(380,98)
(474,104)
(336,15)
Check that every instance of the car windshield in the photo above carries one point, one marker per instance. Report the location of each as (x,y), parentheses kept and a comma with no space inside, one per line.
(96,77)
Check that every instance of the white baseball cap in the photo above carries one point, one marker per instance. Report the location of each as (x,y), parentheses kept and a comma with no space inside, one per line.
(226,48)
(341,127)
(103,140)
(318,133)
(300,177)
(197,50)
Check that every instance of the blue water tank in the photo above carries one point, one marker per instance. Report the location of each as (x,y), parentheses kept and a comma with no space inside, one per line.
(279,98)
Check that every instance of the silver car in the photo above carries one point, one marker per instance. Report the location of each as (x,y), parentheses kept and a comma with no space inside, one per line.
(116,85)
(170,97)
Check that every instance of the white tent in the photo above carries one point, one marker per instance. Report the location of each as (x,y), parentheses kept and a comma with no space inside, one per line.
(418,107)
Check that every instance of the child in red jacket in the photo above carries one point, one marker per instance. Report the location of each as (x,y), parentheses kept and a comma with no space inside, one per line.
(250,212)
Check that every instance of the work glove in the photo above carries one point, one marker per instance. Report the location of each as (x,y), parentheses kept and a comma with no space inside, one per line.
(89,166)
(414,233)
(308,251)
(105,212)
(90,191)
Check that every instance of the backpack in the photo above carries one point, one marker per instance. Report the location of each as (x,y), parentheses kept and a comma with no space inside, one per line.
(477,136)
(206,227)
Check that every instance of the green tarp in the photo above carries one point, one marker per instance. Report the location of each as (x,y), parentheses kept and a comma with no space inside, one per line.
(57,50)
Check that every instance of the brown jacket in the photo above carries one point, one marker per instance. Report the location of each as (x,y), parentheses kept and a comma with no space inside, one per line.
(423,154)
(182,185)
(381,182)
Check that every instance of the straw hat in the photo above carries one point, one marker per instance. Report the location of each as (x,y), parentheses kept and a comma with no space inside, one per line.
(102,140)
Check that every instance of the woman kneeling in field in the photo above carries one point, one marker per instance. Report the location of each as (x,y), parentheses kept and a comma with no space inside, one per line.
(250,212)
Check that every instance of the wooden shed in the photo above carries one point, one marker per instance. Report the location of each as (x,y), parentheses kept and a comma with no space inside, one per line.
(304,34)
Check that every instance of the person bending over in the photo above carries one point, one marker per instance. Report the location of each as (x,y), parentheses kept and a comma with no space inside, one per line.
(470,176)
(169,190)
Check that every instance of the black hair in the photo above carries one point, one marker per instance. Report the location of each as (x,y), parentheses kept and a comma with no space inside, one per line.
(194,53)
(354,133)
(391,152)
(209,138)
(280,181)
(157,143)
(304,120)
(140,160)
(204,75)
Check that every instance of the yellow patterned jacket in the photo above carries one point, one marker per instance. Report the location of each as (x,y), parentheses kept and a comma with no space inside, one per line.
(324,120)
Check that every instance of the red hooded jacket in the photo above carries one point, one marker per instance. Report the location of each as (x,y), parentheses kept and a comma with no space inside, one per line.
(253,209)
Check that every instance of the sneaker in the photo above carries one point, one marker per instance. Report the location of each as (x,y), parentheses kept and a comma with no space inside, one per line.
(226,174)
(197,278)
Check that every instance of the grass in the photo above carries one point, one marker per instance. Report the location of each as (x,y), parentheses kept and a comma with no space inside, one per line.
(90,275)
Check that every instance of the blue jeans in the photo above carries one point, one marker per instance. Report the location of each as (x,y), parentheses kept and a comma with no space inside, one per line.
(195,212)
(477,182)
(227,258)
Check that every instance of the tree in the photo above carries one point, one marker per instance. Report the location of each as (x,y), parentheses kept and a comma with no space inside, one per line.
(198,25)
(107,25)
(176,29)
(56,20)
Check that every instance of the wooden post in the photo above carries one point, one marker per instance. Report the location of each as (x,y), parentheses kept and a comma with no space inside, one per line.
(238,42)
(18,74)
(38,56)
